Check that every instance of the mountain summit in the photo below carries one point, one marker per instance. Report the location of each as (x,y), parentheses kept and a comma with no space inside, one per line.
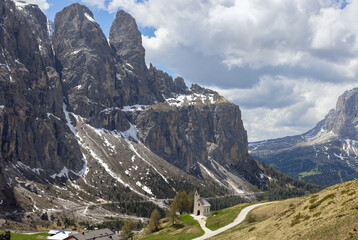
(84,122)
(325,155)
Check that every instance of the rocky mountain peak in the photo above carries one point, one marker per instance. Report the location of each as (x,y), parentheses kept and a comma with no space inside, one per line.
(125,37)
(85,62)
(327,153)
(179,85)
(77,23)
(343,120)
(201,90)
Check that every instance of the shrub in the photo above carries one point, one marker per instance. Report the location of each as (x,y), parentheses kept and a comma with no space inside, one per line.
(250,218)
(316,204)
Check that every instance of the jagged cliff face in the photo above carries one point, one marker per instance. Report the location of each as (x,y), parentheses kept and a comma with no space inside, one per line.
(343,120)
(81,109)
(85,62)
(126,40)
(183,134)
(192,134)
(325,155)
(31,98)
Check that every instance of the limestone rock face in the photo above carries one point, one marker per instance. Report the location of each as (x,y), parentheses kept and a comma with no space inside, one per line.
(33,132)
(325,155)
(343,120)
(125,37)
(199,133)
(165,85)
(85,62)
(126,41)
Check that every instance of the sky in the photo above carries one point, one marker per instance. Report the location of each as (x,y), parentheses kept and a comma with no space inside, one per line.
(284,62)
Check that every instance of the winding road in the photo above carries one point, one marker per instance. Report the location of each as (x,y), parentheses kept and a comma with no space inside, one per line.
(241,217)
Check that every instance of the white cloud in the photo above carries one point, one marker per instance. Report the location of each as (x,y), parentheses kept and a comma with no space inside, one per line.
(284,62)
(43,4)
(95,3)
(280,107)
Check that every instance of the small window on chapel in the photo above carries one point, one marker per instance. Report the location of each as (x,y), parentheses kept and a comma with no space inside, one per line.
(198,204)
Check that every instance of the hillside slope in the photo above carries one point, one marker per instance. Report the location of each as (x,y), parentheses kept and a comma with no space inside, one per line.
(325,155)
(329,214)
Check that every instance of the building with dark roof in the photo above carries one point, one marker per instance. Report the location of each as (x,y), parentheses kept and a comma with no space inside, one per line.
(101,234)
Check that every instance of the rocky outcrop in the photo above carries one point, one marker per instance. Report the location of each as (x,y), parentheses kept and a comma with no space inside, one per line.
(343,120)
(126,40)
(325,155)
(165,84)
(33,132)
(199,133)
(85,62)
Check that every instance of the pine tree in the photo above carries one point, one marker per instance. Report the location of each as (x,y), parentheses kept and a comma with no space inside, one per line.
(172,212)
(182,202)
(127,228)
(191,201)
(154,221)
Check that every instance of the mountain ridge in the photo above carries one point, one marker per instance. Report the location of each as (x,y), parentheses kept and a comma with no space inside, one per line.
(330,147)
(97,129)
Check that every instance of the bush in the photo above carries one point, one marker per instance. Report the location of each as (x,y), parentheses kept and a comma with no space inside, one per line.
(316,204)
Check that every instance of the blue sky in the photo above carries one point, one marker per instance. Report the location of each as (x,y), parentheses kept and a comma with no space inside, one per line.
(284,62)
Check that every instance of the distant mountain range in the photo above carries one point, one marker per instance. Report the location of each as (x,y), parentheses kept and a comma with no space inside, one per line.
(325,155)
(84,122)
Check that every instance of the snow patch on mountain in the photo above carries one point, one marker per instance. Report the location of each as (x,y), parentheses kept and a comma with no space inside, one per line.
(63,173)
(84,169)
(50,28)
(321,137)
(134,108)
(145,188)
(191,99)
(20,5)
(140,157)
(89,17)
(351,147)
(132,132)
(210,174)
(51,115)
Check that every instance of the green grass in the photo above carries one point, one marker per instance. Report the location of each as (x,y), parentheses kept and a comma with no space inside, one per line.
(187,228)
(224,217)
(188,219)
(20,236)
(314,171)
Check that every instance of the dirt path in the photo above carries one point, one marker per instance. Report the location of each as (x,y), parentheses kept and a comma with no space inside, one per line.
(241,217)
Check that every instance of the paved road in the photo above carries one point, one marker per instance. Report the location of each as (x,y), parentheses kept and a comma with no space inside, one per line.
(241,217)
